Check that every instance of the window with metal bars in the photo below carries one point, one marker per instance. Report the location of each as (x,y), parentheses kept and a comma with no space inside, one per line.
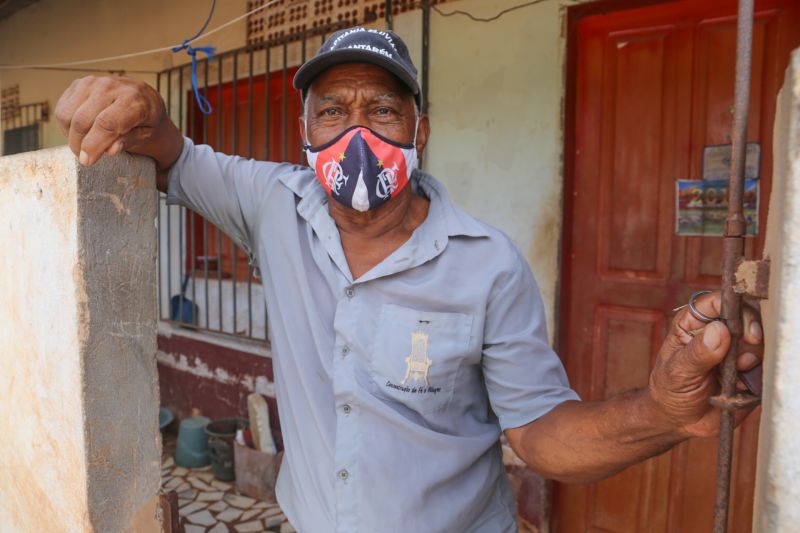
(205,280)
(22,126)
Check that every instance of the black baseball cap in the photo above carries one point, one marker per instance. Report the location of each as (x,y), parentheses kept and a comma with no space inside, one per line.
(361,45)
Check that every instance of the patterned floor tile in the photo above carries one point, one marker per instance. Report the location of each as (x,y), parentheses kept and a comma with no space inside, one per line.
(208,505)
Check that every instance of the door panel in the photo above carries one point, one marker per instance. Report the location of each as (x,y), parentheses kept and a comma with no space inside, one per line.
(653,88)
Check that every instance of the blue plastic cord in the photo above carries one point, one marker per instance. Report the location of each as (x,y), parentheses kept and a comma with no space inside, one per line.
(202,101)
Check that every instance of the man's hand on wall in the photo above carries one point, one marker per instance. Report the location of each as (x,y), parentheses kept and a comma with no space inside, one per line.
(685,374)
(106,115)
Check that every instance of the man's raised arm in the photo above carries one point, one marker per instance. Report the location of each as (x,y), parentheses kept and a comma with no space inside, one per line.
(109,115)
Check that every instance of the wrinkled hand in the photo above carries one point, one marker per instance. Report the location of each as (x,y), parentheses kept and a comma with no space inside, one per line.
(685,373)
(108,115)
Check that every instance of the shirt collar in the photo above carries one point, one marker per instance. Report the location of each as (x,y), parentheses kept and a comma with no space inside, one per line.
(457,223)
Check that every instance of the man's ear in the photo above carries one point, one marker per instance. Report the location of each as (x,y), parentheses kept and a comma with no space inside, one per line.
(301,126)
(423,133)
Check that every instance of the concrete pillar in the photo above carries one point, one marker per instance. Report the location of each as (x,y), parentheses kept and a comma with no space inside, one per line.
(79,441)
(777,505)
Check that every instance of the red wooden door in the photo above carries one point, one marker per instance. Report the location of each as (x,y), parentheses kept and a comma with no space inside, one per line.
(653,87)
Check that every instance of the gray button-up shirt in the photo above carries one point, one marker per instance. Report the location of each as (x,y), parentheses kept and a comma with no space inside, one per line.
(392,388)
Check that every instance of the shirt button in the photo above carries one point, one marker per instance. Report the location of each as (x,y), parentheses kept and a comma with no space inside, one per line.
(343,474)
(346,408)
(350,292)
(345,350)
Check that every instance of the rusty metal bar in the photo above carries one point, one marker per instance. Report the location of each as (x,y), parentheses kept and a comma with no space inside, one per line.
(267,66)
(302,61)
(733,250)
(169,209)
(426,46)
(181,213)
(192,103)
(235,151)
(250,156)
(160,276)
(205,222)
(218,147)
(388,15)
(284,103)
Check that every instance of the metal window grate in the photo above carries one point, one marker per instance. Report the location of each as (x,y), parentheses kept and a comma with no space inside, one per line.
(205,280)
(21,123)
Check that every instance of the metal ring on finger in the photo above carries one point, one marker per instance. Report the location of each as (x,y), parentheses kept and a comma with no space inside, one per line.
(699,315)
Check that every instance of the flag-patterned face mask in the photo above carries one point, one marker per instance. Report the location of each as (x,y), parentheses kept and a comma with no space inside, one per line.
(362,169)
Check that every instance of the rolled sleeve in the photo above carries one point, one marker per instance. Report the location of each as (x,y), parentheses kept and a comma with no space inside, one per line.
(226,190)
(524,377)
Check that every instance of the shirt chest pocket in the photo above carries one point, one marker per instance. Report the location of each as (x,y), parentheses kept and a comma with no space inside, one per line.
(417,356)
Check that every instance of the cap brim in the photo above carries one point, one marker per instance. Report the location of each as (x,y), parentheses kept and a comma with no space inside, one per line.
(315,66)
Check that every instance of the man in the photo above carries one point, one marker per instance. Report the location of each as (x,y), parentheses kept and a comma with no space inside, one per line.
(406,335)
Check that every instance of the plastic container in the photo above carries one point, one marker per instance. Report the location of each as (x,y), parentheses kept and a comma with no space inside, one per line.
(165,417)
(191,450)
(256,472)
(220,446)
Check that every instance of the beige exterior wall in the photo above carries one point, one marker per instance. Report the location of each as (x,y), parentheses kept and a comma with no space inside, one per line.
(496,93)
(80,447)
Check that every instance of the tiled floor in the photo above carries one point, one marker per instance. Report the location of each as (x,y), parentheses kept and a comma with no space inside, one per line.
(208,505)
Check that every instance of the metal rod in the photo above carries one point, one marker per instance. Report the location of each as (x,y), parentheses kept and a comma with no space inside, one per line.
(302,60)
(192,244)
(205,222)
(220,101)
(181,210)
(388,15)
(159,277)
(426,43)
(205,91)
(192,258)
(250,105)
(284,147)
(266,103)
(250,155)
(234,127)
(267,68)
(733,250)
(169,209)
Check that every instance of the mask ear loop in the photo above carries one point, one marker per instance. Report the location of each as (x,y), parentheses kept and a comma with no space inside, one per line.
(416,131)
(306,143)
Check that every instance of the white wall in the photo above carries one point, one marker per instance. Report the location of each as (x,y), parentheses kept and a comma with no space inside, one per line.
(496,94)
(778,472)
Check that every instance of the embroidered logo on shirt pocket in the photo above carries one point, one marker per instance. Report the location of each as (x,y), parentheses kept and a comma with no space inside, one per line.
(417,355)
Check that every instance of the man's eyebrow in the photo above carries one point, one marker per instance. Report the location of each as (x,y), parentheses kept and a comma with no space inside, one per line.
(386,97)
(329,98)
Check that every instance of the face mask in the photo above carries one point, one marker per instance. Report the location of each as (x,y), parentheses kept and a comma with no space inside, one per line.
(362,169)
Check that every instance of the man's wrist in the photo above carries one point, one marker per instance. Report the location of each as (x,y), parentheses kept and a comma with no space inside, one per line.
(168,147)
(656,411)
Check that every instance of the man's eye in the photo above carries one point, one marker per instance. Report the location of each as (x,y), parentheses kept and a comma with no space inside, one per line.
(330,112)
(384,111)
